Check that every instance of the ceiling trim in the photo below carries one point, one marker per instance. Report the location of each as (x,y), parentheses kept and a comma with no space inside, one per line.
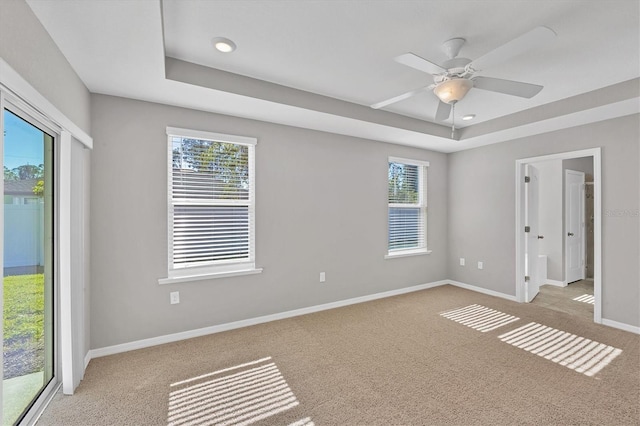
(211,78)
(579,118)
(271,102)
(612,94)
(298,108)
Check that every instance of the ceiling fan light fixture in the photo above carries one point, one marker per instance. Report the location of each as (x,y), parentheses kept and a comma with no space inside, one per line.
(223,45)
(453,90)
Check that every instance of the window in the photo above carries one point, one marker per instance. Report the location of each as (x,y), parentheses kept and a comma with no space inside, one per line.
(211,203)
(30,240)
(407,199)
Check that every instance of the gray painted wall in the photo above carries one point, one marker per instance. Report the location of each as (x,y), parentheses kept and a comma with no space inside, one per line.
(482,210)
(27,47)
(320,203)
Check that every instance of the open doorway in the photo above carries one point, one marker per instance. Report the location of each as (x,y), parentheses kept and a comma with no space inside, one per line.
(558,257)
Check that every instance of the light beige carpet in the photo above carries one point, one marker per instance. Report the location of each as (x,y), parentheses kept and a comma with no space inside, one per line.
(562,298)
(394,361)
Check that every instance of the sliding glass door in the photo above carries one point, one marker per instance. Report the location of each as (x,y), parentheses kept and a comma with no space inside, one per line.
(28,260)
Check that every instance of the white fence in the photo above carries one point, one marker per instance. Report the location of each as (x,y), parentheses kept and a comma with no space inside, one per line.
(23,235)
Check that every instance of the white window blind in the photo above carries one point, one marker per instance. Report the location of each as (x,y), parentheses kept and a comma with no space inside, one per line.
(211,208)
(407,197)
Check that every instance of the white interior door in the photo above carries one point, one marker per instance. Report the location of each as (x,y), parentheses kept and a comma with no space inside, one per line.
(574,226)
(532,286)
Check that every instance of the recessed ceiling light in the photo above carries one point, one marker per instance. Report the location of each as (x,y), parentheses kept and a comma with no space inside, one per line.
(224,45)
(469,117)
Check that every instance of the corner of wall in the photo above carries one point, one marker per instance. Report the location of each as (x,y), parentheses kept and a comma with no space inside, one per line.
(29,49)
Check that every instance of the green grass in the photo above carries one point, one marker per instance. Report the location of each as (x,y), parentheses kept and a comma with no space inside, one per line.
(23,312)
(23,307)
(23,343)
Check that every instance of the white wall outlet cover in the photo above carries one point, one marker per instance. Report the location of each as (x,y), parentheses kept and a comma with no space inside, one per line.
(174,297)
(322,277)
(462,261)
(480,265)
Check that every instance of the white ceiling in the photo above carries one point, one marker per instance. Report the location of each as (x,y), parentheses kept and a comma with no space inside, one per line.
(344,50)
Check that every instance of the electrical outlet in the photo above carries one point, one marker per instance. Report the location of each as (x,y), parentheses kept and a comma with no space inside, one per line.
(462,261)
(480,265)
(322,277)
(174,297)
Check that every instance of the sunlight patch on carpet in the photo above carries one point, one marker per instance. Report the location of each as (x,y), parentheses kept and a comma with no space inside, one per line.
(586,298)
(577,353)
(479,317)
(239,395)
(303,422)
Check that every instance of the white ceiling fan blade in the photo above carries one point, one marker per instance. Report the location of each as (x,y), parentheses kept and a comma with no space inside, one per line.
(400,97)
(526,42)
(414,61)
(443,112)
(509,87)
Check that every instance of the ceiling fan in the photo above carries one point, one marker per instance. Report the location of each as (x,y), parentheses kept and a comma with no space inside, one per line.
(456,76)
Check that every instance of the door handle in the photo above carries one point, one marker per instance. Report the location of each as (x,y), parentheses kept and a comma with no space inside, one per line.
(570,234)
(540,237)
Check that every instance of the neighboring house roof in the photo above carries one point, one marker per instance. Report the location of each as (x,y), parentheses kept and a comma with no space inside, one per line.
(20,187)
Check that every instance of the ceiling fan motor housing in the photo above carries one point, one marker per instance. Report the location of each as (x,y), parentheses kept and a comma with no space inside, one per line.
(452,47)
(456,66)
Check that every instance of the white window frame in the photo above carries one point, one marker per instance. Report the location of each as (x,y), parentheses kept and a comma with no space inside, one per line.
(215,269)
(421,204)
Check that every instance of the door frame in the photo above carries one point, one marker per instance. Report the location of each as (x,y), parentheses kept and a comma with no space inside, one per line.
(30,115)
(531,237)
(19,92)
(596,154)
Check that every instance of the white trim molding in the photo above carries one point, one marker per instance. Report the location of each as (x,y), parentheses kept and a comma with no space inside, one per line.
(596,154)
(210,136)
(555,283)
(64,266)
(407,253)
(211,276)
(483,290)
(13,83)
(87,359)
(408,161)
(621,326)
(169,338)
(14,89)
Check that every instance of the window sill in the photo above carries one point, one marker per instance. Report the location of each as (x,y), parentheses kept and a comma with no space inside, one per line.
(188,278)
(407,253)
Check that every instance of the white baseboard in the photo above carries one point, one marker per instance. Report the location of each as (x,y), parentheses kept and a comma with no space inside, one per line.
(621,326)
(483,290)
(145,343)
(555,283)
(87,358)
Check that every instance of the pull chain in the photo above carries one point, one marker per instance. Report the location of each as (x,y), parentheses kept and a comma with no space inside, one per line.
(453,119)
